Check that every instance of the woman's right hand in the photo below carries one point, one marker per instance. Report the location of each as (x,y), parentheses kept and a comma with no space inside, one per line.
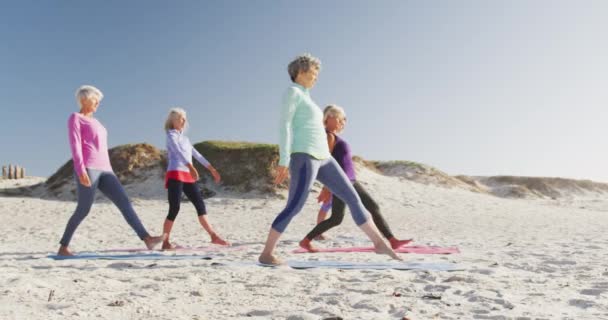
(193,172)
(84,179)
(282,173)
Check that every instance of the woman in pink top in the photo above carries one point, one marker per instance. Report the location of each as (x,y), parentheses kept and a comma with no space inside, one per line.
(89,146)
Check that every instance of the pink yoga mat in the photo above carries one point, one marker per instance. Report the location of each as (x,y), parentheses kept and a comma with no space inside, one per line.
(405,249)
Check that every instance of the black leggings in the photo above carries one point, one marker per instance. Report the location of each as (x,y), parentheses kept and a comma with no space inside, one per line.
(337,214)
(193,193)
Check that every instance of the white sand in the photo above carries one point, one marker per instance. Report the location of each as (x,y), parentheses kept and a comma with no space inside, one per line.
(524,259)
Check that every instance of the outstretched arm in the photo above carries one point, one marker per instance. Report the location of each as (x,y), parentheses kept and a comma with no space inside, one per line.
(199,157)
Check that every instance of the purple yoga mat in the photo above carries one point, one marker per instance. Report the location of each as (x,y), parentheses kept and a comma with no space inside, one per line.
(404,249)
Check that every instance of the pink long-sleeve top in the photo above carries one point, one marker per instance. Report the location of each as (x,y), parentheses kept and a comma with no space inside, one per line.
(88,143)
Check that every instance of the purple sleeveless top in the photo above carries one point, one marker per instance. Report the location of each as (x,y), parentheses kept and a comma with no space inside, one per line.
(344,157)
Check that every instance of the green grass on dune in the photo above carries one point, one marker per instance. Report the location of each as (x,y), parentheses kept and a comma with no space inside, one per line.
(236,145)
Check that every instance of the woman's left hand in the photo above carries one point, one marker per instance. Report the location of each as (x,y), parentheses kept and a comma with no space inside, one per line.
(324,196)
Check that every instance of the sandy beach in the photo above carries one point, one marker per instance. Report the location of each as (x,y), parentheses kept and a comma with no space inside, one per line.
(521,259)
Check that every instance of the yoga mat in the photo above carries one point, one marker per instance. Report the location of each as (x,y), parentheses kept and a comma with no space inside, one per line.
(405,249)
(180,249)
(429,266)
(147,256)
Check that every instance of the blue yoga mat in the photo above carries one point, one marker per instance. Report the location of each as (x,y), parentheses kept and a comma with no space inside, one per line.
(430,266)
(137,256)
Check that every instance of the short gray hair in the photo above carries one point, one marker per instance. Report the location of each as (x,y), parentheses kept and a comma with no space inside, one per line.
(302,63)
(173,113)
(88,92)
(333,110)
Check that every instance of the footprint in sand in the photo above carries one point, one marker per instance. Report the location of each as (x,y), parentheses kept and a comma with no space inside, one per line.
(301,317)
(592,292)
(57,306)
(486,272)
(546,269)
(490,317)
(350,280)
(436,288)
(561,262)
(580,303)
(505,304)
(258,313)
(120,265)
(363,291)
(327,314)
(479,311)
(367,305)
(329,301)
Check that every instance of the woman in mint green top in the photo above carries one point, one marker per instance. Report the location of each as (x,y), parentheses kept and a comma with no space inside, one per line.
(301,126)
(304,152)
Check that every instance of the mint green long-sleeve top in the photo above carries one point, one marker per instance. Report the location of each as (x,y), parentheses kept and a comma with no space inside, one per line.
(301,126)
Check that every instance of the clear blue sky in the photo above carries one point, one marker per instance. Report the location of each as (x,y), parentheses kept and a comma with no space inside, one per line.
(471,87)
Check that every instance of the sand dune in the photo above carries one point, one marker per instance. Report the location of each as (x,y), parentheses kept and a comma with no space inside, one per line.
(247,167)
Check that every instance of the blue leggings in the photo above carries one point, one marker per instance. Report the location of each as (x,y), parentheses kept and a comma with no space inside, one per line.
(303,170)
(110,186)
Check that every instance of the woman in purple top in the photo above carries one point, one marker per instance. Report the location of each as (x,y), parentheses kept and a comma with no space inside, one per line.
(335,120)
(88,143)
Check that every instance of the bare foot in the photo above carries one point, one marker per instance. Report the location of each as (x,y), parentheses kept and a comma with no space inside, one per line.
(321,237)
(152,242)
(217,240)
(270,260)
(396,243)
(168,246)
(382,248)
(305,243)
(64,251)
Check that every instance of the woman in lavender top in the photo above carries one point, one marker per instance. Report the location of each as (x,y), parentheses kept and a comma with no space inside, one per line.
(182,176)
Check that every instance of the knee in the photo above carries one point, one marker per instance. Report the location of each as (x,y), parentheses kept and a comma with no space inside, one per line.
(373,207)
(361,217)
(281,222)
(336,219)
(351,198)
(171,216)
(173,211)
(358,212)
(200,207)
(82,210)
